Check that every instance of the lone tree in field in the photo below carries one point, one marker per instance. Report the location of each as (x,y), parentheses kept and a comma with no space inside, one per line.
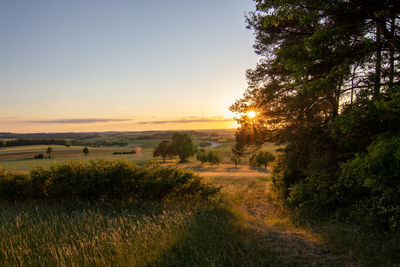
(236,160)
(86,151)
(49,151)
(262,158)
(213,158)
(183,146)
(202,156)
(164,149)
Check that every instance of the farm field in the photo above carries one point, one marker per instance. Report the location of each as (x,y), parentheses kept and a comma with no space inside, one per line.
(22,157)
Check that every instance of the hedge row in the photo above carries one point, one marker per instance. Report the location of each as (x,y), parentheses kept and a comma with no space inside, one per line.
(104,180)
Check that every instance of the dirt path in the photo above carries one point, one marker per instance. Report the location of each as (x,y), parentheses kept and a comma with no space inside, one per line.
(248,190)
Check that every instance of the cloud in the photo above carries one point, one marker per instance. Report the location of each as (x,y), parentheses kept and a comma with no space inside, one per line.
(191,120)
(77,121)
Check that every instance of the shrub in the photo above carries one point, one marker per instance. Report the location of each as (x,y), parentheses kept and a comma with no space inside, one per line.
(104,180)
(39,156)
(12,184)
(370,183)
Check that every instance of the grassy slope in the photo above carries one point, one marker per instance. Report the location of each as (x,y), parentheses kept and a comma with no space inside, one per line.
(240,228)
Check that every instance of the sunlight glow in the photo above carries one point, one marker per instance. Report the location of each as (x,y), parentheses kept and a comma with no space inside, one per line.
(251,114)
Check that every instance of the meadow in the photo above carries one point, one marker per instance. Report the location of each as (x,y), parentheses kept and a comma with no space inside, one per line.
(22,157)
(240,226)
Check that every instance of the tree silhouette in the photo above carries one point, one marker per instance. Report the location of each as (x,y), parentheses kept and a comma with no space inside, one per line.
(49,151)
(86,150)
(236,160)
(183,146)
(163,150)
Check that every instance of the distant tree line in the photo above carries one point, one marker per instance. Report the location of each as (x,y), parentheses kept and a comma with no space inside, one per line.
(98,143)
(27,142)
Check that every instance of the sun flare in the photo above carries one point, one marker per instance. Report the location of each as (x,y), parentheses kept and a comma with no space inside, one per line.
(251,114)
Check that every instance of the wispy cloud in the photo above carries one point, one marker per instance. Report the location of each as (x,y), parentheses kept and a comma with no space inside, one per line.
(73,121)
(191,120)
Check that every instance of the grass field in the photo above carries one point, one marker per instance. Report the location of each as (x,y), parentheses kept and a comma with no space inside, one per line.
(22,157)
(242,227)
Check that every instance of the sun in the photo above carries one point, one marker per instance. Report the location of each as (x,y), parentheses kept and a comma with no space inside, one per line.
(251,114)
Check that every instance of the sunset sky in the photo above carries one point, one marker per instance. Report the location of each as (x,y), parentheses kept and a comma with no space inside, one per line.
(100,65)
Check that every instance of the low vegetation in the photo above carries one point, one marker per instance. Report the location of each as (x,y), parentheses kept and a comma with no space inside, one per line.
(103,180)
(124,152)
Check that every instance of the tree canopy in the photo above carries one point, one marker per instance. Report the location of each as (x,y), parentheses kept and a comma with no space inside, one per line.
(85,150)
(164,149)
(327,88)
(183,146)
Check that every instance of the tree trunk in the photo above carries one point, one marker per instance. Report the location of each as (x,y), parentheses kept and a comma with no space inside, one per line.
(378,63)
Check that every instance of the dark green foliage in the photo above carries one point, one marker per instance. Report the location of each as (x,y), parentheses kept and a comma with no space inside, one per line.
(98,143)
(201,156)
(370,183)
(209,156)
(262,158)
(213,158)
(13,184)
(32,141)
(124,152)
(49,150)
(39,156)
(164,149)
(183,146)
(327,88)
(236,160)
(118,181)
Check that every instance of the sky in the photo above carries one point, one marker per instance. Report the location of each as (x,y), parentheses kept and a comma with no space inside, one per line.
(122,65)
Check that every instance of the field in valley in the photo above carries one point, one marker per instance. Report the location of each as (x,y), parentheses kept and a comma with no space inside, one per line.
(22,157)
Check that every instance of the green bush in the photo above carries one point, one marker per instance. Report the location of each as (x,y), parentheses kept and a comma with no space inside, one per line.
(370,183)
(39,156)
(104,180)
(12,183)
